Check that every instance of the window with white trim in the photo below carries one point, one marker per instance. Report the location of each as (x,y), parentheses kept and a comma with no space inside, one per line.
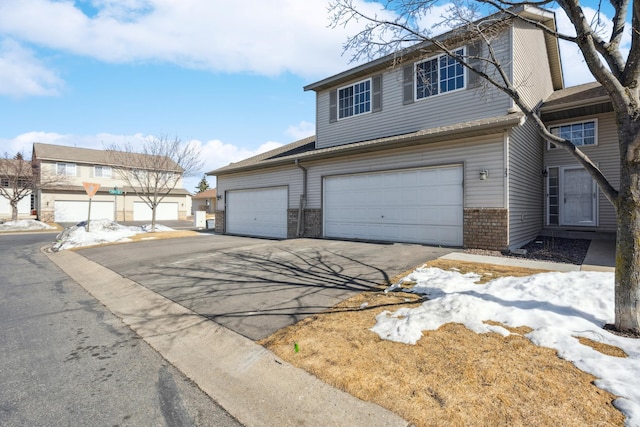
(102,171)
(580,133)
(438,75)
(67,169)
(354,99)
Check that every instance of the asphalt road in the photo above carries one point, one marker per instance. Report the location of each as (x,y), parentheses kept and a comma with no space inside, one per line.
(67,361)
(258,286)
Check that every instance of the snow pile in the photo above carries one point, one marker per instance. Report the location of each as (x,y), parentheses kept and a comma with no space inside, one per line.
(100,231)
(25,225)
(558,306)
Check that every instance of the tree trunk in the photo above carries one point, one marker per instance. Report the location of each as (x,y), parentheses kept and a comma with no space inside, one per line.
(14,210)
(153,218)
(627,276)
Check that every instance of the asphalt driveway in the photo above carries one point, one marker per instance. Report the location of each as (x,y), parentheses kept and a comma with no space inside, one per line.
(255,286)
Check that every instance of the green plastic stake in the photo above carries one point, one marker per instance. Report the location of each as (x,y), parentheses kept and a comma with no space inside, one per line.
(295,347)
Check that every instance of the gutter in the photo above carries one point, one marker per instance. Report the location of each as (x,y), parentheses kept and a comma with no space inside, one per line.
(303,200)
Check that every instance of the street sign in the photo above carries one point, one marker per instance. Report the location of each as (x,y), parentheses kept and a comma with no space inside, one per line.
(91,188)
(116,191)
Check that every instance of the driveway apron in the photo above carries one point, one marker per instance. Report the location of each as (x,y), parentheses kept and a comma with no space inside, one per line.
(255,286)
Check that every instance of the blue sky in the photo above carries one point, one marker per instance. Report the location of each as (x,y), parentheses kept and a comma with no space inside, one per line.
(225,75)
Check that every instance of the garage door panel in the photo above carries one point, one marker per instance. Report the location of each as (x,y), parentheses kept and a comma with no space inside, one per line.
(78,210)
(165,211)
(258,212)
(420,205)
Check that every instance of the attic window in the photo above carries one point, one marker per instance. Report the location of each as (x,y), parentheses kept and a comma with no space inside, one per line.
(354,99)
(439,75)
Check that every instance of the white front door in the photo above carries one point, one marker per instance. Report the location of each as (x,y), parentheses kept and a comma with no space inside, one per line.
(578,197)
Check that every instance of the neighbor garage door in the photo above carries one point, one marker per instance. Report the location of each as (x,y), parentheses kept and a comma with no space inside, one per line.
(260,212)
(76,211)
(417,205)
(167,211)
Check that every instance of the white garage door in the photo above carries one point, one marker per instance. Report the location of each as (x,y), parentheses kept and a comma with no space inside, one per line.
(76,210)
(261,212)
(24,206)
(417,205)
(166,211)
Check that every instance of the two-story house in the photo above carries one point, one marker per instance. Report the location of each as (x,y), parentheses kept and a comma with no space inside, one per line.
(401,157)
(68,201)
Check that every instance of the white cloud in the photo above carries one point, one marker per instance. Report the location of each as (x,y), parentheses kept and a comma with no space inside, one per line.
(262,37)
(21,73)
(574,65)
(301,130)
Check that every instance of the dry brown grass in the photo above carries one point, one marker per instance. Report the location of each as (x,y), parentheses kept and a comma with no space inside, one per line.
(452,376)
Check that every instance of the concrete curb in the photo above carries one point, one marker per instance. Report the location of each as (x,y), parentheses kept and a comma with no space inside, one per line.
(250,382)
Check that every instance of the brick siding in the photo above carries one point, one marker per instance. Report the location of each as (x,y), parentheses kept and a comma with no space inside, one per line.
(486,228)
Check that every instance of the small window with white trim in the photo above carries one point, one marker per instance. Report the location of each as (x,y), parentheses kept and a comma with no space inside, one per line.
(102,171)
(438,75)
(354,99)
(579,133)
(66,169)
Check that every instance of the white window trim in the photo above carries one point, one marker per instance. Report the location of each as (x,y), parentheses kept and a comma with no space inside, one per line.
(595,130)
(370,80)
(103,169)
(465,75)
(66,165)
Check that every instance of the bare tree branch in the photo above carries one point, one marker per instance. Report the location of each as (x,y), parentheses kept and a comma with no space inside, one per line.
(154,169)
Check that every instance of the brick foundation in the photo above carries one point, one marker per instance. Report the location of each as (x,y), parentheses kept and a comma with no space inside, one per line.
(486,228)
(312,223)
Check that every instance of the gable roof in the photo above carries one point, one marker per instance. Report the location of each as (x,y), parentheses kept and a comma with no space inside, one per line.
(418,50)
(63,153)
(304,149)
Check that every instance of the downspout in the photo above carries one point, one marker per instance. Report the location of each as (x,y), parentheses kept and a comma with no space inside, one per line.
(303,200)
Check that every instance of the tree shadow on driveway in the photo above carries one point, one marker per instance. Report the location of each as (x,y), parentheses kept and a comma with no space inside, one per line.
(256,294)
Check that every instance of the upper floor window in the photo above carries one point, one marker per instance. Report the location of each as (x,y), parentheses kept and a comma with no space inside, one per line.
(354,99)
(68,169)
(580,133)
(439,75)
(102,171)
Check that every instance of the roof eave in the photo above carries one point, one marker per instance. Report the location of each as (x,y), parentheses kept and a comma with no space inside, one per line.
(401,141)
(526,11)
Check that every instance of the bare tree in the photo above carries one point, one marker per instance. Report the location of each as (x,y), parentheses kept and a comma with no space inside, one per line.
(20,178)
(155,168)
(398,25)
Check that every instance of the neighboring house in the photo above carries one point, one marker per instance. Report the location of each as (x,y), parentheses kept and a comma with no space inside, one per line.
(205,201)
(114,200)
(7,181)
(450,163)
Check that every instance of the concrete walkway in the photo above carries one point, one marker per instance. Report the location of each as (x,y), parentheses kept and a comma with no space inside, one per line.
(601,256)
(250,382)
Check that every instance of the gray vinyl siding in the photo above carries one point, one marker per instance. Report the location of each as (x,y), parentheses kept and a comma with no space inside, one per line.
(526,185)
(605,154)
(396,118)
(289,176)
(531,74)
(485,152)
